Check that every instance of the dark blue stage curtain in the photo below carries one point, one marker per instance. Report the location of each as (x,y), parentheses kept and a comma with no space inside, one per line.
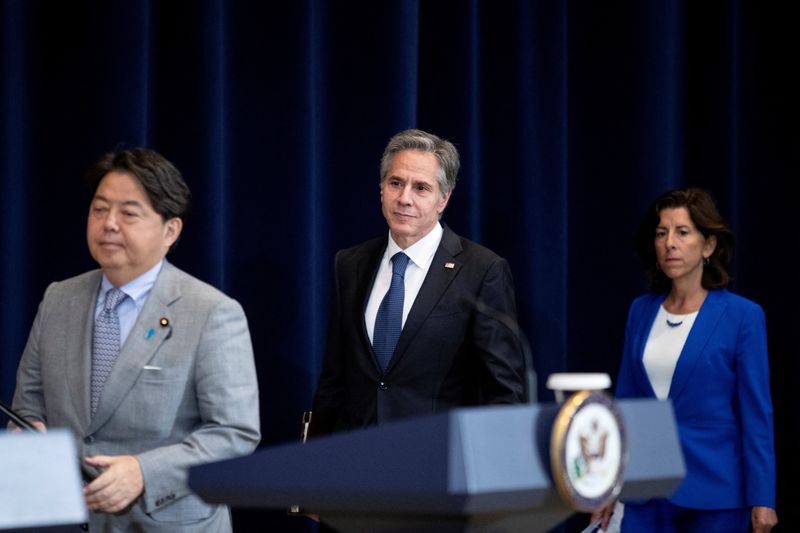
(570,118)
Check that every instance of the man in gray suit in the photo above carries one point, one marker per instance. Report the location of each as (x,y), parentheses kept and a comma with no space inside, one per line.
(151,368)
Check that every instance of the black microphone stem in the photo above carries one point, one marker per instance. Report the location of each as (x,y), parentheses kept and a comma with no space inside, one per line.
(87,473)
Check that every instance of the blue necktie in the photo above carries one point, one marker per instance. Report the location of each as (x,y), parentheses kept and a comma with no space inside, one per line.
(389,321)
(105,348)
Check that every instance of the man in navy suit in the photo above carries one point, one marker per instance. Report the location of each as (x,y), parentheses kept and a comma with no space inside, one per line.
(452,341)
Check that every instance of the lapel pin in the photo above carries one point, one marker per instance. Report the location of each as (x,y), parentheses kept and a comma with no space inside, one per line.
(449,265)
(150,333)
(164,322)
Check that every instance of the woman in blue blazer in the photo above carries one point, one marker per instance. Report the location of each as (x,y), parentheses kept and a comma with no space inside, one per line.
(694,343)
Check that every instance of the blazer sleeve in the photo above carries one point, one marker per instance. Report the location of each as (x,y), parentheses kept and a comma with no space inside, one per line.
(227,398)
(755,407)
(29,396)
(497,337)
(329,397)
(625,386)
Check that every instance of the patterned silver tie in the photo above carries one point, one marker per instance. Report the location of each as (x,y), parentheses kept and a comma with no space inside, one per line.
(105,347)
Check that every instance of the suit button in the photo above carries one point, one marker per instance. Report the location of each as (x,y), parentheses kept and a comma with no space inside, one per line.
(383,386)
(88,440)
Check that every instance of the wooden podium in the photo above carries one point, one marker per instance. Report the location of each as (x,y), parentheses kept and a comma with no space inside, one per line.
(469,470)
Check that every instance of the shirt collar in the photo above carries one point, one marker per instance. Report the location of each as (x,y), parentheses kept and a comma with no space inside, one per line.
(421,252)
(137,289)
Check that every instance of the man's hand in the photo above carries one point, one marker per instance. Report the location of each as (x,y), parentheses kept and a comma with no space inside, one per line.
(604,515)
(36,424)
(763,519)
(117,487)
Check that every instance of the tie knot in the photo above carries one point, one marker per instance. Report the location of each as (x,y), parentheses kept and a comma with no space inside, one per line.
(399,263)
(113,297)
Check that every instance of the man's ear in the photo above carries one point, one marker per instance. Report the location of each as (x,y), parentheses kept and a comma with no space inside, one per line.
(443,202)
(172,230)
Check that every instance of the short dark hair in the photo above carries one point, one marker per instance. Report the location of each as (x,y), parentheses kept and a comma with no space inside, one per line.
(706,217)
(168,193)
(422,141)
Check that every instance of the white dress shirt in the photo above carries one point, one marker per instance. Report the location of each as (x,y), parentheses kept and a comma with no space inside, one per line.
(421,255)
(664,346)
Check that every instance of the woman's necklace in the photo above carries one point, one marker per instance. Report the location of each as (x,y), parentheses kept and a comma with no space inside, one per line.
(677,320)
(673,324)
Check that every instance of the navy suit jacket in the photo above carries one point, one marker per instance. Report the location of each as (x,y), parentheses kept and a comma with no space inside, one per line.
(456,347)
(721,396)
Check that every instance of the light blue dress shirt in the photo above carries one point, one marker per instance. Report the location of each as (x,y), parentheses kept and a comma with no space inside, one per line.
(138,289)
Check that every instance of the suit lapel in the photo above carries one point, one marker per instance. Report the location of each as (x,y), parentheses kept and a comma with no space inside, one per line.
(146,336)
(436,282)
(79,370)
(367,265)
(641,341)
(710,313)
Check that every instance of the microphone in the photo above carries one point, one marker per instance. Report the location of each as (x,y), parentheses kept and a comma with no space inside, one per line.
(16,419)
(511,323)
(88,473)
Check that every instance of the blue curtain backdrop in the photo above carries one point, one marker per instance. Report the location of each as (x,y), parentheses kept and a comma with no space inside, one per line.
(570,118)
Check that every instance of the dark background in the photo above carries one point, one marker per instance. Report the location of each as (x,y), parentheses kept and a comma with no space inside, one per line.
(570,118)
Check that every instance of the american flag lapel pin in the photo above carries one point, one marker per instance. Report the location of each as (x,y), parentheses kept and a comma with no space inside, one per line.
(450,265)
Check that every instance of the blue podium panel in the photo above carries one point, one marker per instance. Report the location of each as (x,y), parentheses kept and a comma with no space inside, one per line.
(655,461)
(480,469)
(40,483)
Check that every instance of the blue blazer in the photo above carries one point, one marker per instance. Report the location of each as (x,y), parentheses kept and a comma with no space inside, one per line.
(721,397)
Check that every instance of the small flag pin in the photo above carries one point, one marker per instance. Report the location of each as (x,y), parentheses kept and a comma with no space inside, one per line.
(449,265)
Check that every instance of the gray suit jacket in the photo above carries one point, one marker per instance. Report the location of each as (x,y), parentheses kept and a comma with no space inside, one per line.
(183,391)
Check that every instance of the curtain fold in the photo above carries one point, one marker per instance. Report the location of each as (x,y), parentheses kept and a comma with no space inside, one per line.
(570,118)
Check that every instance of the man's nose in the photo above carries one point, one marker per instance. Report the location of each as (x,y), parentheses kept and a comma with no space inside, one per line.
(110,223)
(405,195)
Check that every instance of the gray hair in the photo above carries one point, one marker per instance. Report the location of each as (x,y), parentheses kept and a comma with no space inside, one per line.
(446,154)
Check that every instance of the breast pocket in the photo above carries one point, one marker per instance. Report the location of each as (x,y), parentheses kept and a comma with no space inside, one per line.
(158,401)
